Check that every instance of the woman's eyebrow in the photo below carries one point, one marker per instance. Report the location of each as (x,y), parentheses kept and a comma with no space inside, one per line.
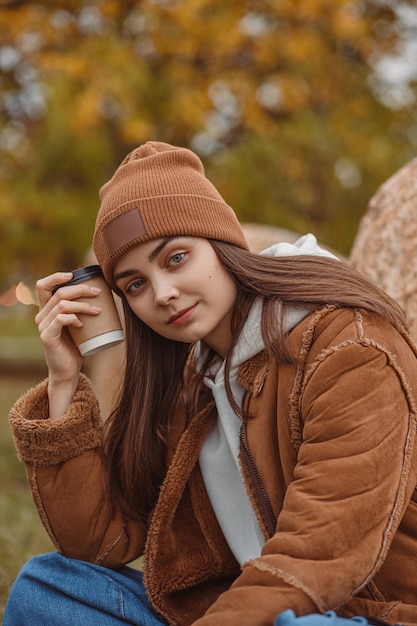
(161,245)
(124,274)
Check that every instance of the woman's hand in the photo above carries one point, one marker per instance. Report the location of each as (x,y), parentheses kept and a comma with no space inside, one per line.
(57,312)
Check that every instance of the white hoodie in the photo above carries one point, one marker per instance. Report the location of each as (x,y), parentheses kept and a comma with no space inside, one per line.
(219,456)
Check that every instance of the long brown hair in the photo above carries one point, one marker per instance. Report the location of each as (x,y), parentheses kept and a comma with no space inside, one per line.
(136,432)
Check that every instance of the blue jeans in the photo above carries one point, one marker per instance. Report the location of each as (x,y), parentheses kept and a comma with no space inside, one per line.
(53,590)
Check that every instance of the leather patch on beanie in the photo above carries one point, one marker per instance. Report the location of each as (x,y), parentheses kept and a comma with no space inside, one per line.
(124,229)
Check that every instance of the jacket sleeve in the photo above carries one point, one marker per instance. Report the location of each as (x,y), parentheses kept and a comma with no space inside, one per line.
(354,475)
(65,467)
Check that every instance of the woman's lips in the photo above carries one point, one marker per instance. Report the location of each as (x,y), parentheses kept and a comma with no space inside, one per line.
(182,316)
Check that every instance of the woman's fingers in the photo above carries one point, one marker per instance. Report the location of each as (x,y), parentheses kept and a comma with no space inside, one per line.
(59,301)
(64,312)
(59,311)
(44,286)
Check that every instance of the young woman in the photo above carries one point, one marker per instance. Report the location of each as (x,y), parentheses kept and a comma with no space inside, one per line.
(261,455)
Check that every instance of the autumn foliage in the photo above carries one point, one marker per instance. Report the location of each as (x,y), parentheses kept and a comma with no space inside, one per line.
(280,98)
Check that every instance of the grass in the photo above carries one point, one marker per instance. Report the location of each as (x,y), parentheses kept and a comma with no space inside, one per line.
(21,533)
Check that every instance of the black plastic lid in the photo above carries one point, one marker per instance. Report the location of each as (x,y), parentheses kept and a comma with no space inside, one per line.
(80,275)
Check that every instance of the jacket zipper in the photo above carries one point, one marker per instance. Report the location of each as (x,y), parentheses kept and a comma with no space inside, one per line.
(256,482)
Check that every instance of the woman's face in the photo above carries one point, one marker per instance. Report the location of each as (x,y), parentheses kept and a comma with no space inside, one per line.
(179,288)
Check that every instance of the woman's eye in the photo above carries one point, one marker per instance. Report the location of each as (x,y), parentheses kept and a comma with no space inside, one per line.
(135,286)
(176,258)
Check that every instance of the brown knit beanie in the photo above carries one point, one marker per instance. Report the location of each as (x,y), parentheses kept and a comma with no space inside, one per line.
(158,191)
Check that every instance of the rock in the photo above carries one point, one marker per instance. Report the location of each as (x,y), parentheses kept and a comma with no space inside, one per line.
(385,247)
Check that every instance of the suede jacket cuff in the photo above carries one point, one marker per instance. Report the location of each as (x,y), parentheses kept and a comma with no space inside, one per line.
(43,442)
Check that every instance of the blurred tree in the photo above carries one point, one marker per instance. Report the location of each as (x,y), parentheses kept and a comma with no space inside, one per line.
(284,100)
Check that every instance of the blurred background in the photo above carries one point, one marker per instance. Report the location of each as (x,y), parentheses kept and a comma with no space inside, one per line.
(300,110)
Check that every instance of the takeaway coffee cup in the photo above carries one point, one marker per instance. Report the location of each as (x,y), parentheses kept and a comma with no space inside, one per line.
(98,331)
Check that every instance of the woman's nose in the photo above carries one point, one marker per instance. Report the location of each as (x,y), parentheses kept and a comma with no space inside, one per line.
(164,292)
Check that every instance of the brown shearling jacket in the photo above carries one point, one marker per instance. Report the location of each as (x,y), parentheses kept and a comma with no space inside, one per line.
(329,461)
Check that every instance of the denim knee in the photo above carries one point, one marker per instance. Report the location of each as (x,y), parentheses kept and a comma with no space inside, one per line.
(52,589)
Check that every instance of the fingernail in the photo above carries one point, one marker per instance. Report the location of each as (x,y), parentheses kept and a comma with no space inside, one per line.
(97,309)
(95,289)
